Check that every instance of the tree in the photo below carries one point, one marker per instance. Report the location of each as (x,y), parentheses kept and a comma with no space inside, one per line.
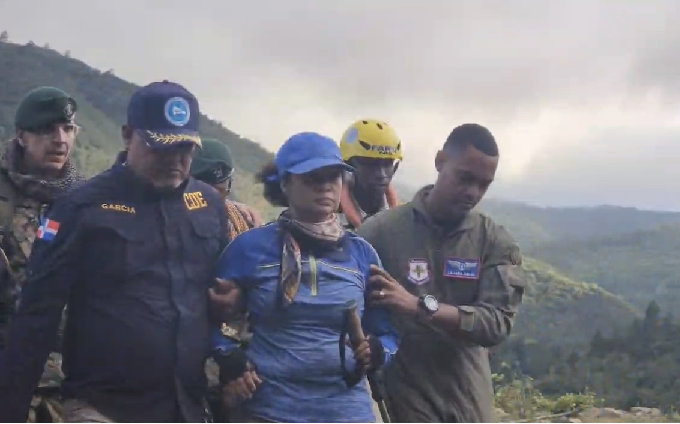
(67,53)
(597,345)
(651,316)
(46,46)
(4,37)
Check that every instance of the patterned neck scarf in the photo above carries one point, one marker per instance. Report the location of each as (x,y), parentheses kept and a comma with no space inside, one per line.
(324,234)
(45,191)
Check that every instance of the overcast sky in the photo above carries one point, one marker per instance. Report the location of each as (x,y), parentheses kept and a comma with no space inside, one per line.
(583,96)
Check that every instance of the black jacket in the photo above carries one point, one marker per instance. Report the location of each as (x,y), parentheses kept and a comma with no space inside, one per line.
(134,266)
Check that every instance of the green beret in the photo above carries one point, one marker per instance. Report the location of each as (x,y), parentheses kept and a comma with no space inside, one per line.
(43,107)
(212,163)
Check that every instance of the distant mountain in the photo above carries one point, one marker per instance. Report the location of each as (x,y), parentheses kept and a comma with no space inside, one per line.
(640,266)
(533,225)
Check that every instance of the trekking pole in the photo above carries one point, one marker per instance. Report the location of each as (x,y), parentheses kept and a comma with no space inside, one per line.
(356,336)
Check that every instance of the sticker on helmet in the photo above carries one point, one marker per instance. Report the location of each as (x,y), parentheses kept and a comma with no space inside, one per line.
(352,136)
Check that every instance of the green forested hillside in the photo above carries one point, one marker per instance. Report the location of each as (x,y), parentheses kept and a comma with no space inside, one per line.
(638,365)
(561,311)
(641,266)
(102,98)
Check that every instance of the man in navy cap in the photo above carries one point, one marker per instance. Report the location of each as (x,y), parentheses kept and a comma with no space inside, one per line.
(132,252)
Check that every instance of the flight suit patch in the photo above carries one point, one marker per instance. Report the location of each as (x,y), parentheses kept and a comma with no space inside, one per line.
(462,268)
(418,271)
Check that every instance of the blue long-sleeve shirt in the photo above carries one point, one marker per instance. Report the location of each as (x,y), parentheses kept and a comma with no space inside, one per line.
(295,349)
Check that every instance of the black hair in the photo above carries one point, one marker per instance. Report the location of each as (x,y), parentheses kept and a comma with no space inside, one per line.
(272,189)
(474,135)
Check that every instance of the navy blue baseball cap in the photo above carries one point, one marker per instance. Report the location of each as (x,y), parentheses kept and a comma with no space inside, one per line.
(164,114)
(306,152)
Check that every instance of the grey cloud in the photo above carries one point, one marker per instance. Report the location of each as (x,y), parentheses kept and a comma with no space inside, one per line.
(255,63)
(604,170)
(503,58)
(492,55)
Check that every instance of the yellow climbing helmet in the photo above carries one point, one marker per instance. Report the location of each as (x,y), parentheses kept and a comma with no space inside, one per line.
(369,138)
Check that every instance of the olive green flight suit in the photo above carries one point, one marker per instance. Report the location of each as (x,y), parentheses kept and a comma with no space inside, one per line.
(438,375)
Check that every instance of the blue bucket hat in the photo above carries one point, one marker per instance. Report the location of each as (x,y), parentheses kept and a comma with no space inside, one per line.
(165,114)
(306,152)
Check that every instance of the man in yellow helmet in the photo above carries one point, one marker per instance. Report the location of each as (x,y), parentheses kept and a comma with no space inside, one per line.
(373,148)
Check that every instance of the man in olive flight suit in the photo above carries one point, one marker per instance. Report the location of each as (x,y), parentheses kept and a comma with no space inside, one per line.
(453,276)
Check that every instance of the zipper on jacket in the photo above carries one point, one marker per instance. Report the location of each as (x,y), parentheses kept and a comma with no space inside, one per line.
(313,275)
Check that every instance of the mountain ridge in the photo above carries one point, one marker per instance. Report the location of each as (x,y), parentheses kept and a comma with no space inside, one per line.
(640,265)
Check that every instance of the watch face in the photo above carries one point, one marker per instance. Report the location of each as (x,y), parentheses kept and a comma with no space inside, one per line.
(431,303)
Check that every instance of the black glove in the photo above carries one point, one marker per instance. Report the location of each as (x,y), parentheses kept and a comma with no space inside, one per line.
(232,364)
(377,352)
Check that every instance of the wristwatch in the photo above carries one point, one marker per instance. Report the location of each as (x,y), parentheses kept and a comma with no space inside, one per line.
(428,304)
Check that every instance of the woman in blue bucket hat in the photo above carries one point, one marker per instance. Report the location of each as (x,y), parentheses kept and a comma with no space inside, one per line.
(295,277)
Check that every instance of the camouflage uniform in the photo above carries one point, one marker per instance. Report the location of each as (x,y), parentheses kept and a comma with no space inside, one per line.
(23,201)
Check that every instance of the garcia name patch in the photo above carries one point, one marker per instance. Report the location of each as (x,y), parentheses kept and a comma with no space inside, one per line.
(418,271)
(462,268)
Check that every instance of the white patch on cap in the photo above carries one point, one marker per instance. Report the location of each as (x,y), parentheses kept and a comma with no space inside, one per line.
(177,111)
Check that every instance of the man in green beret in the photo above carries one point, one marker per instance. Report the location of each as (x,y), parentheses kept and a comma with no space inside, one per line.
(34,169)
(213,164)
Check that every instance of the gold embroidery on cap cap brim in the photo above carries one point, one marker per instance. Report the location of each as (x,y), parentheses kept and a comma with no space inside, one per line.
(174,138)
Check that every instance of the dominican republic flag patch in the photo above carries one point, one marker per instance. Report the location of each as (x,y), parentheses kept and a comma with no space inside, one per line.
(47,230)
